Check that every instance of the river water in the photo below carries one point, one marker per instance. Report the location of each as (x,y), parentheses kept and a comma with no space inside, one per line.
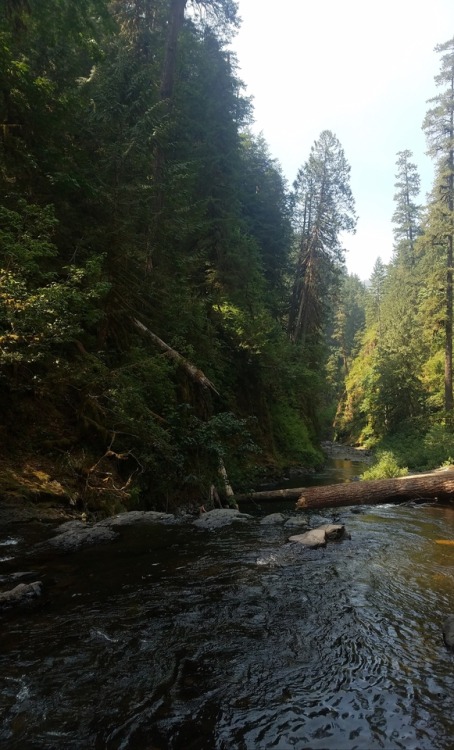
(182,639)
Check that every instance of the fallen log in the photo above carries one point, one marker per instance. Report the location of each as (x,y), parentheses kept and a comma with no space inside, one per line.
(264,495)
(437,485)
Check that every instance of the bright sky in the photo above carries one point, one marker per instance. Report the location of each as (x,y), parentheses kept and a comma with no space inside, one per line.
(361,69)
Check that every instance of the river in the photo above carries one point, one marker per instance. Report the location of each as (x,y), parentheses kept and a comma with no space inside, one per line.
(173,638)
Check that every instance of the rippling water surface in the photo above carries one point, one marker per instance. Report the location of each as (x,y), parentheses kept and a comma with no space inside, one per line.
(179,638)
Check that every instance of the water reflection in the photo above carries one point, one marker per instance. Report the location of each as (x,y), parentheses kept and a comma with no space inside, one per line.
(335,471)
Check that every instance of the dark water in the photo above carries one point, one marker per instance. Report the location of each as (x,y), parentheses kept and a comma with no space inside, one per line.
(179,638)
(335,471)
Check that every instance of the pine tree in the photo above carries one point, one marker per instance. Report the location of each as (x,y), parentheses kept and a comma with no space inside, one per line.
(407,213)
(266,212)
(439,128)
(376,295)
(325,208)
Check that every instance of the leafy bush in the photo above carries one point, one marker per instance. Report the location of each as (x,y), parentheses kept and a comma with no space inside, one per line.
(291,436)
(420,447)
(386,467)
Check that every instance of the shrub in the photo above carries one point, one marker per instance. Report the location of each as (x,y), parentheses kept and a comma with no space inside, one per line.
(386,467)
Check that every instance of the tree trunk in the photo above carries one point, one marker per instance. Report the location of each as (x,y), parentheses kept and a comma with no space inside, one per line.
(437,485)
(449,273)
(448,331)
(176,21)
(434,486)
(291,494)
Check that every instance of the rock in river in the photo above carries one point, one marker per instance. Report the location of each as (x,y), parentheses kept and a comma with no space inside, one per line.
(75,534)
(272,518)
(20,593)
(219,517)
(320,536)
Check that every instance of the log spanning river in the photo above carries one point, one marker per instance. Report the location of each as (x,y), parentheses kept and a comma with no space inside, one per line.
(174,638)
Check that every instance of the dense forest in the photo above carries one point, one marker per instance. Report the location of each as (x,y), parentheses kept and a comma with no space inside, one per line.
(171,309)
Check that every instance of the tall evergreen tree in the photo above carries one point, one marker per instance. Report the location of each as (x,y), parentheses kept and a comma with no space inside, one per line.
(406,217)
(325,208)
(376,295)
(266,212)
(439,128)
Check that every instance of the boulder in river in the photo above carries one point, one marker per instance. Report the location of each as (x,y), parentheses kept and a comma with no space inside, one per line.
(134,517)
(320,536)
(296,522)
(448,631)
(20,593)
(219,517)
(74,534)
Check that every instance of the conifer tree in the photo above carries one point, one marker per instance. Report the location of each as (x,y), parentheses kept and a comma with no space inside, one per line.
(406,217)
(439,128)
(376,295)
(325,208)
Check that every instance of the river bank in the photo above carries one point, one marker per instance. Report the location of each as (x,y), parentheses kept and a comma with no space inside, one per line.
(51,488)
(54,489)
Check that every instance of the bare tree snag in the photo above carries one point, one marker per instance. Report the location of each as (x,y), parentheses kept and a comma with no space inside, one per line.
(230,495)
(435,486)
(194,373)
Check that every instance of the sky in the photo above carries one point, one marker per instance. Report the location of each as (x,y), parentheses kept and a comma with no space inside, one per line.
(365,71)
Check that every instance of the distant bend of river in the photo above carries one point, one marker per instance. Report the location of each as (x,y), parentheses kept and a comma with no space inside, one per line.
(174,638)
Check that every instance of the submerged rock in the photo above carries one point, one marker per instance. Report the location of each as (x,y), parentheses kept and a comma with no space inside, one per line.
(289,523)
(296,522)
(273,518)
(74,534)
(134,517)
(20,593)
(219,517)
(448,631)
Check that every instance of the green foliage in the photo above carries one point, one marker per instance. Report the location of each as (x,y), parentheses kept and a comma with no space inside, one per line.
(39,310)
(385,467)
(345,335)
(292,438)
(422,448)
(118,204)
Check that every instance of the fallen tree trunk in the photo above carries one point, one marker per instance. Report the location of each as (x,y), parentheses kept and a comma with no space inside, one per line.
(290,494)
(434,486)
(194,373)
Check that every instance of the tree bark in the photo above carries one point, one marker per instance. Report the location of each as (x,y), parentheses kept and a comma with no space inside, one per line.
(437,485)
(290,494)
(176,21)
(449,273)
(434,486)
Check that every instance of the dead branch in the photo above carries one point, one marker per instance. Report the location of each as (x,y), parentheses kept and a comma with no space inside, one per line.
(194,373)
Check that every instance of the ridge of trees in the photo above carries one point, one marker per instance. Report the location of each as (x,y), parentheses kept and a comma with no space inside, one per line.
(399,386)
(147,254)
